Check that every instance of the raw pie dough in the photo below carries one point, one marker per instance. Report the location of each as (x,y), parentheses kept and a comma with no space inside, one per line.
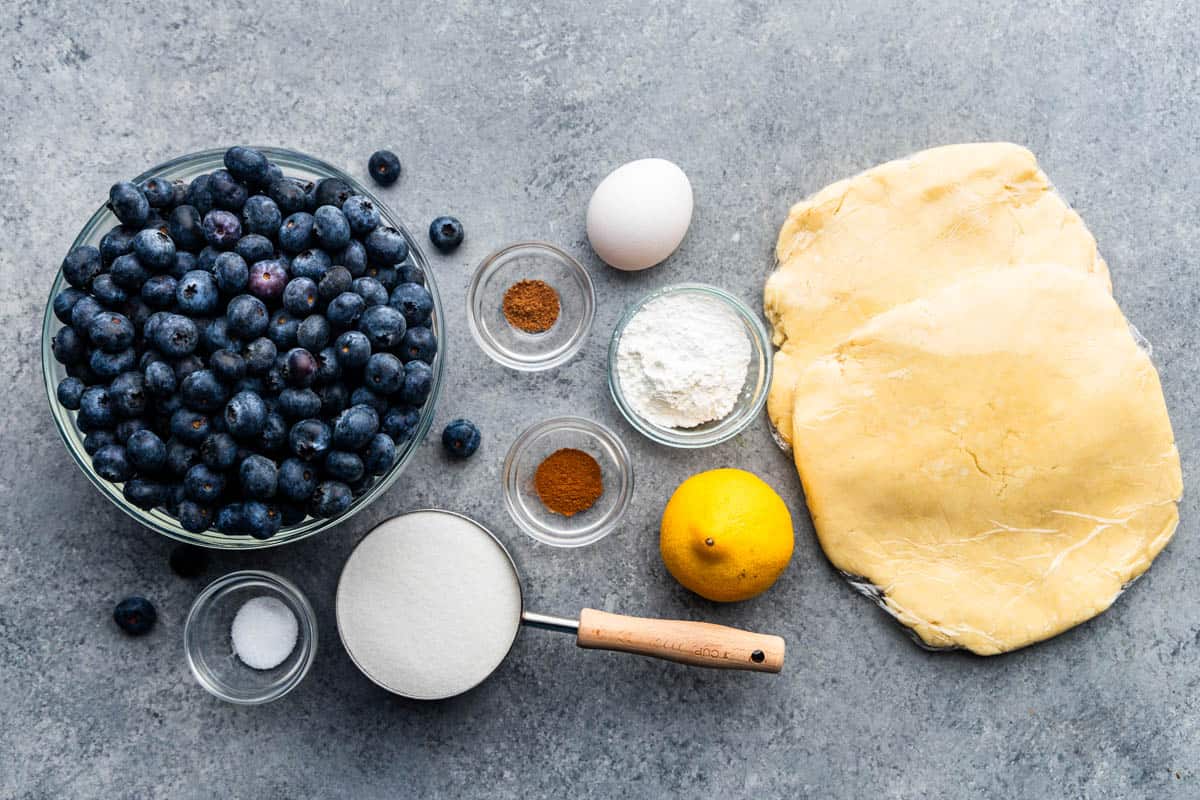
(995,458)
(903,229)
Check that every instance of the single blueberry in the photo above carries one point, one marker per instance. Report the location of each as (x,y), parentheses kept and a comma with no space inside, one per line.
(262,521)
(248,317)
(199,194)
(231,273)
(309,439)
(332,192)
(261,215)
(253,247)
(197,518)
(231,519)
(202,391)
(247,164)
(418,381)
(413,301)
(299,367)
(159,378)
(197,293)
(299,404)
(268,278)
(116,242)
(282,330)
(81,265)
(354,427)
(82,312)
(353,257)
(127,272)
(107,366)
(446,233)
(313,333)
(228,366)
(203,483)
(296,232)
(180,457)
(227,193)
(143,493)
(361,215)
(68,346)
(135,615)
(159,192)
(353,349)
(411,273)
(189,427)
(222,229)
(460,437)
(330,499)
(335,281)
(111,463)
(219,451)
(70,393)
(331,228)
(275,434)
(400,422)
(345,310)
(343,466)
(380,454)
(129,203)
(258,477)
(105,289)
(245,415)
(384,373)
(111,332)
(147,452)
(384,167)
(383,326)
(159,291)
(371,291)
(127,394)
(287,194)
(176,336)
(154,249)
(260,355)
(386,246)
(311,263)
(297,480)
(300,296)
(418,344)
(186,228)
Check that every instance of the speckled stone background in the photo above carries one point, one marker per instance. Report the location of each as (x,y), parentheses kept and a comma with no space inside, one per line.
(507,116)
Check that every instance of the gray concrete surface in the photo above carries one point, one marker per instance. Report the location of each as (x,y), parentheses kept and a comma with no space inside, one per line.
(507,116)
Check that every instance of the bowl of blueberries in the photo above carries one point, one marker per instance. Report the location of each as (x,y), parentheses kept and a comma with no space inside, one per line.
(243,347)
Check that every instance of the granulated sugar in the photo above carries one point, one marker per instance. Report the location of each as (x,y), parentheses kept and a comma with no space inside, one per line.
(264,632)
(428,605)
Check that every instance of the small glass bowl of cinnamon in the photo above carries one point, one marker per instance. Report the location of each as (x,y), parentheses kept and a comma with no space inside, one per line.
(567,481)
(530,306)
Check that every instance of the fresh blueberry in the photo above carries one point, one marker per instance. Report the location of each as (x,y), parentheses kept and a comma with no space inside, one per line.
(275,434)
(247,164)
(218,336)
(297,480)
(116,242)
(127,395)
(196,518)
(159,378)
(343,466)
(334,399)
(309,439)
(135,615)
(300,367)
(383,326)
(261,215)
(231,273)
(354,427)
(228,366)
(384,373)
(222,229)
(413,301)
(190,427)
(106,290)
(330,499)
(344,310)
(418,380)
(379,455)
(231,519)
(335,281)
(186,228)
(296,232)
(260,355)
(288,194)
(446,233)
(199,194)
(219,451)
(411,273)
(253,247)
(203,483)
(176,336)
(311,263)
(159,192)
(268,278)
(353,257)
(313,333)
(68,346)
(386,246)
(353,349)
(387,277)
(362,396)
(400,422)
(180,457)
(143,493)
(81,265)
(332,192)
(262,521)
(248,316)
(111,332)
(460,437)
(207,259)
(129,203)
(109,365)
(300,297)
(384,167)
(227,193)
(64,301)
(159,291)
(419,344)
(258,477)
(361,215)
(245,415)
(371,291)
(111,463)
(70,392)
(82,312)
(197,294)
(155,249)
(282,330)
(146,452)
(94,440)
(331,228)
(299,404)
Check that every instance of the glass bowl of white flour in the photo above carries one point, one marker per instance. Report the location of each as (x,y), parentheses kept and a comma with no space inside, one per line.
(689,365)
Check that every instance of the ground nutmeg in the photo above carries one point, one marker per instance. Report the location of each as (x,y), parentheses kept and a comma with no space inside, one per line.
(531,306)
(568,481)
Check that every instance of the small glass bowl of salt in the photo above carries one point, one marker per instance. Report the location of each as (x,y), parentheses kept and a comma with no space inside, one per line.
(250,637)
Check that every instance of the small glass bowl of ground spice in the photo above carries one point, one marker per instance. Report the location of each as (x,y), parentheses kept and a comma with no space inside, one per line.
(530,306)
(567,481)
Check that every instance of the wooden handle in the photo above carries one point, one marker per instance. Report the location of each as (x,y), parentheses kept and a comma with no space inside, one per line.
(700,644)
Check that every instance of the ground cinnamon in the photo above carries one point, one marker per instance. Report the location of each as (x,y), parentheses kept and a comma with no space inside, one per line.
(531,306)
(568,481)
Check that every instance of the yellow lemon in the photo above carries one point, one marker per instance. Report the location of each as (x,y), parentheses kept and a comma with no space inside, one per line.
(726,535)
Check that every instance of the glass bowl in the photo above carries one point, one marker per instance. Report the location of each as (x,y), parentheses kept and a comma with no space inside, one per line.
(532,447)
(750,400)
(185,168)
(511,346)
(209,650)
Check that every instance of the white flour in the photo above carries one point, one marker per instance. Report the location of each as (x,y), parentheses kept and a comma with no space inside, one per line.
(682,360)
(428,605)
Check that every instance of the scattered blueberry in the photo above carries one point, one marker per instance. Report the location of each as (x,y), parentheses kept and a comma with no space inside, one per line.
(135,615)
(460,437)
(384,167)
(446,233)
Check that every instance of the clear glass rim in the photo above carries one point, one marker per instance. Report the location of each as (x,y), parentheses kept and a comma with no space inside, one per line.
(160,521)
(543,533)
(741,417)
(308,637)
(505,358)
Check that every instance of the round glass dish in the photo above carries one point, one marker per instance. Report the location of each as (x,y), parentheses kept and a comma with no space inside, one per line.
(511,346)
(521,497)
(185,168)
(750,400)
(209,649)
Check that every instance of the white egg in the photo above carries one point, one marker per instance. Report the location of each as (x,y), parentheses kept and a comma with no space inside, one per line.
(639,214)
